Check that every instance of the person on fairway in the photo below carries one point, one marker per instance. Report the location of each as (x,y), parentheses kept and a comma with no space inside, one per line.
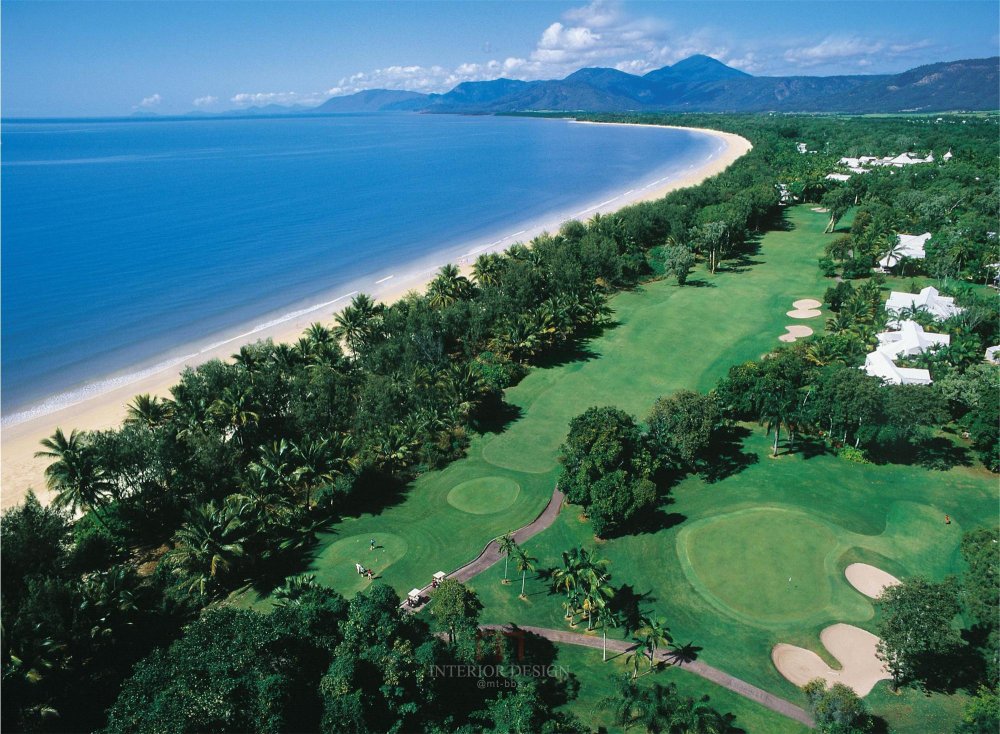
(371,545)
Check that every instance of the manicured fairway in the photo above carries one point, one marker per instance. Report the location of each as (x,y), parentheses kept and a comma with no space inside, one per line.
(666,338)
(721,591)
(484,496)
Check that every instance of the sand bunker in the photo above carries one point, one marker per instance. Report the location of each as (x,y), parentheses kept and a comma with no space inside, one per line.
(795,332)
(869,580)
(803,313)
(807,303)
(854,649)
(820,209)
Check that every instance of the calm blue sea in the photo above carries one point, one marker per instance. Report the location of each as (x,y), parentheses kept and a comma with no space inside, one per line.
(127,243)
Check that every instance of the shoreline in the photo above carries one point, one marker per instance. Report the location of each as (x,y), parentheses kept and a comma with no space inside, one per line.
(105,408)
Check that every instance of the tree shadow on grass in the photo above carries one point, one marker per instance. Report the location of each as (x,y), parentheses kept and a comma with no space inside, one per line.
(808,447)
(698,283)
(574,351)
(938,453)
(497,417)
(628,603)
(725,455)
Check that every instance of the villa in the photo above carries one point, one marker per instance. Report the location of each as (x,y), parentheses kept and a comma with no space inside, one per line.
(941,307)
(993,354)
(910,340)
(878,364)
(909,246)
(838,177)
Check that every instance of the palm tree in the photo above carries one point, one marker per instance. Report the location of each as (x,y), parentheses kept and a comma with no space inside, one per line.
(208,546)
(148,410)
(608,617)
(235,410)
(316,464)
(567,579)
(697,717)
(506,546)
(448,287)
(524,564)
(635,659)
(74,474)
(487,269)
(624,702)
(652,635)
(356,324)
(290,593)
(273,467)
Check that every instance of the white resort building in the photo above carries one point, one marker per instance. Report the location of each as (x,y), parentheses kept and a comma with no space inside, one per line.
(941,307)
(909,341)
(907,245)
(878,364)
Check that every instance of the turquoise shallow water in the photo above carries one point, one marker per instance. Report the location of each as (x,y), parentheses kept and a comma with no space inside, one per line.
(124,242)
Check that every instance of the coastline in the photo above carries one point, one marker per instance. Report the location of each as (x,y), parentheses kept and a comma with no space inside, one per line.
(19,470)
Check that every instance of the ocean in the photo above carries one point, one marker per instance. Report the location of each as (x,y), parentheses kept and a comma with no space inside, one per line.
(130,244)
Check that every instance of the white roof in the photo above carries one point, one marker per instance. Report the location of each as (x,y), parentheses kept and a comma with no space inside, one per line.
(857,169)
(879,365)
(838,176)
(948,156)
(941,307)
(849,161)
(414,592)
(439,575)
(910,340)
(908,245)
(991,354)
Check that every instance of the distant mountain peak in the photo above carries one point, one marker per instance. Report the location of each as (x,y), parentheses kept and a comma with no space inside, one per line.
(697,68)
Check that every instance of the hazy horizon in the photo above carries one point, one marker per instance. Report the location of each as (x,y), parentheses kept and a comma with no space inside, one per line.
(115,59)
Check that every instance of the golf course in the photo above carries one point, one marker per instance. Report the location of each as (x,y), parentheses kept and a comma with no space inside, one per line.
(736,566)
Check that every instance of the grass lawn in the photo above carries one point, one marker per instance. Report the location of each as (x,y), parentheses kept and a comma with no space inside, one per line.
(595,684)
(718,567)
(446,517)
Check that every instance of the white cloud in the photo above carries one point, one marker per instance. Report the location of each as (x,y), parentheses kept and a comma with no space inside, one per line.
(253,99)
(151,101)
(851,50)
(205,101)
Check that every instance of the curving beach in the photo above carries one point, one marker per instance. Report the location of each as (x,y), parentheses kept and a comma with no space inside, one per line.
(104,407)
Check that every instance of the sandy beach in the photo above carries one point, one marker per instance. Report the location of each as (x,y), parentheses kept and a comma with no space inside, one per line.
(19,470)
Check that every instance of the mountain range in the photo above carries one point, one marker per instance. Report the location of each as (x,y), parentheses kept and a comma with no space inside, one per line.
(697,84)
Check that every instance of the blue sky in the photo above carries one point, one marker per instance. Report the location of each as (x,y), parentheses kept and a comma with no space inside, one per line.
(115,58)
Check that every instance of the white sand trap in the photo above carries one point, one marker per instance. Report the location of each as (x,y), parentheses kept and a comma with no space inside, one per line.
(803,313)
(807,303)
(854,649)
(820,209)
(795,332)
(869,580)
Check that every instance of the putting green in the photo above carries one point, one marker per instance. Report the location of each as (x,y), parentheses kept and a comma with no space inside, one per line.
(767,566)
(335,565)
(484,496)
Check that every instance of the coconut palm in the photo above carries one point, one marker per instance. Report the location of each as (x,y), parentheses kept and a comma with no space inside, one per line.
(506,546)
(696,717)
(524,563)
(235,410)
(75,474)
(357,323)
(448,286)
(487,269)
(290,593)
(274,466)
(148,410)
(568,578)
(316,464)
(208,546)
(652,635)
